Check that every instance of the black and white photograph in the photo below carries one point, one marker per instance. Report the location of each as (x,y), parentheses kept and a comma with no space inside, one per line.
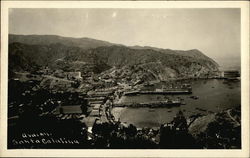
(124,78)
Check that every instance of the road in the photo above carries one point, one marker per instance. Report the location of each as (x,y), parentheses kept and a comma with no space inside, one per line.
(56,78)
(228,113)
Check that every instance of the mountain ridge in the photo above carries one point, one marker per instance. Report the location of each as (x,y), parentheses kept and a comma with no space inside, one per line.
(26,40)
(99,57)
(83,42)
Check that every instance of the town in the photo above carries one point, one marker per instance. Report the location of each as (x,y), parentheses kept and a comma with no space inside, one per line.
(88,99)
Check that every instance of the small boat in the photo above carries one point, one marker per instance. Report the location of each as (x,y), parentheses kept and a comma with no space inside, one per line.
(194,97)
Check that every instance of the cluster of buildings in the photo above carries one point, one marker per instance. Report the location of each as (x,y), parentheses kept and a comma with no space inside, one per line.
(230,74)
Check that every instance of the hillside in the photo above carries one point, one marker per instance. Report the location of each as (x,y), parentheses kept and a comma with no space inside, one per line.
(85,43)
(23,57)
(191,53)
(160,64)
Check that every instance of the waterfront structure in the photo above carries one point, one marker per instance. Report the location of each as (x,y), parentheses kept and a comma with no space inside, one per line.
(230,74)
(160,91)
(166,103)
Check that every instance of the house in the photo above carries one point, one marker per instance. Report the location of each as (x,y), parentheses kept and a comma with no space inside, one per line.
(59,74)
(74,75)
(96,106)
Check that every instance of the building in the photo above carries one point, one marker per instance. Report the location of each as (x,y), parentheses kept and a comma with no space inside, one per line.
(94,113)
(74,75)
(96,106)
(232,74)
(59,74)
(69,109)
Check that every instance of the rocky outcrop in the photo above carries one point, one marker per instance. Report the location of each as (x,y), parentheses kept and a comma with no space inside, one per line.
(220,130)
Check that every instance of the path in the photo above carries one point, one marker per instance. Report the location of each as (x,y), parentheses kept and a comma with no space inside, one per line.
(228,113)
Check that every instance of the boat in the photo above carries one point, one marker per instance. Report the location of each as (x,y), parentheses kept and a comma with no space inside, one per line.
(194,97)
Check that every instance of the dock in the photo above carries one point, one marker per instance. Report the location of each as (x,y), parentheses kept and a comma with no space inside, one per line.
(159,92)
(151,104)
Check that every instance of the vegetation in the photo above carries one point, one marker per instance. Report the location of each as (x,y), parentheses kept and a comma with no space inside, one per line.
(54,52)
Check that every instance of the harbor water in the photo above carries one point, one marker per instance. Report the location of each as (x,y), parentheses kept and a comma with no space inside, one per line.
(213,95)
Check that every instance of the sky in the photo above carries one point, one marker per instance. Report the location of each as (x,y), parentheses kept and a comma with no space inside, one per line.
(215,32)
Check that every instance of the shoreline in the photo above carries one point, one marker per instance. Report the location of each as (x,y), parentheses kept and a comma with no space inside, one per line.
(193,111)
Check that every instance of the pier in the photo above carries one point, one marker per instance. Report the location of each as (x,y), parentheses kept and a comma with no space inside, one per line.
(179,91)
(157,104)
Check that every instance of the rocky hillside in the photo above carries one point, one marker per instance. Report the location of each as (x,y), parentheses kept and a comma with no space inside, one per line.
(191,53)
(182,65)
(28,54)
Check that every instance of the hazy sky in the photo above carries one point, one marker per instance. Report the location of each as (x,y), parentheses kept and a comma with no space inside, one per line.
(215,32)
